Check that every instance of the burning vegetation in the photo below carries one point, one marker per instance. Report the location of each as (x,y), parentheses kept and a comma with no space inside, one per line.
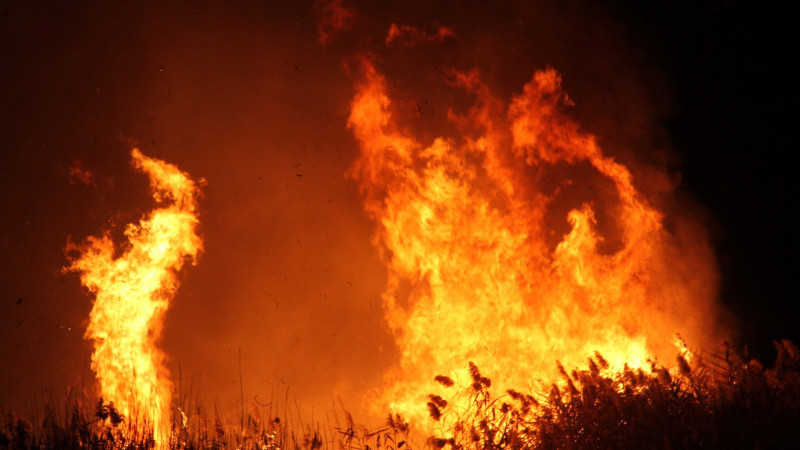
(537,288)
(722,400)
(133,286)
(466,227)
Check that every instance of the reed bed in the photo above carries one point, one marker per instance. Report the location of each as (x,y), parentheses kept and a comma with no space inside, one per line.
(720,400)
(717,400)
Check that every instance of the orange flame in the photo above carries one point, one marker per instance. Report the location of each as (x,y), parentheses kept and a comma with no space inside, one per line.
(133,292)
(477,270)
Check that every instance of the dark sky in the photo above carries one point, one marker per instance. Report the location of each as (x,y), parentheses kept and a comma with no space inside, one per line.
(244,96)
(733,70)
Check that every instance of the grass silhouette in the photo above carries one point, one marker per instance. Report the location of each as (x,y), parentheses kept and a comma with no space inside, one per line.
(716,400)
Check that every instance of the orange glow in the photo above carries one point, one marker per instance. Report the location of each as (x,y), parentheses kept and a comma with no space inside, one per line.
(79,174)
(133,292)
(335,18)
(483,268)
(409,36)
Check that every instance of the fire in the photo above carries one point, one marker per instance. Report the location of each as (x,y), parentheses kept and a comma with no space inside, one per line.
(482,267)
(133,291)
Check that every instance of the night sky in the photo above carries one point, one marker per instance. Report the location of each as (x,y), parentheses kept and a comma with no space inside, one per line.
(735,110)
(246,97)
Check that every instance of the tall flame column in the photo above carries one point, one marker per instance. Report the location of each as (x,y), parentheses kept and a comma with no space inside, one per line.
(133,292)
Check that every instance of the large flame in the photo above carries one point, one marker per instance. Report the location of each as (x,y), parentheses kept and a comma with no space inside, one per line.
(477,268)
(133,291)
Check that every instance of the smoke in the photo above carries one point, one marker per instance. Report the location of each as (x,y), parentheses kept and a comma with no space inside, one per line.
(334,17)
(409,36)
(245,96)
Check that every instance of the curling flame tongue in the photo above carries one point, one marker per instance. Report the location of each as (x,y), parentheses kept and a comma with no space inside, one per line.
(133,292)
(475,269)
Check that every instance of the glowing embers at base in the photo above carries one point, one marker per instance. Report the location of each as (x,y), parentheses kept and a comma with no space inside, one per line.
(133,292)
(478,268)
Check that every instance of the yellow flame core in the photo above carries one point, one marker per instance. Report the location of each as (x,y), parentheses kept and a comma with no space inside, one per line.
(471,276)
(133,292)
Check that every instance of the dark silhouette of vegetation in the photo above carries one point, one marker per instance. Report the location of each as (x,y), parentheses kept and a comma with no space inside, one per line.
(717,400)
(104,428)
